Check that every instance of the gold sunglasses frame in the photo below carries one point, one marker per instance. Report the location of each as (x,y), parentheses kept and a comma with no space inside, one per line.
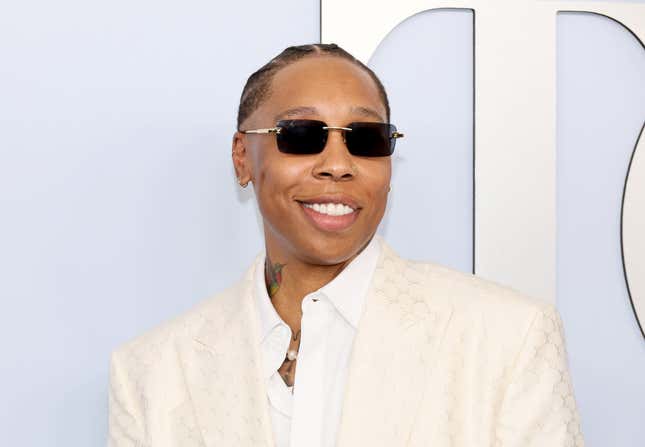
(276,130)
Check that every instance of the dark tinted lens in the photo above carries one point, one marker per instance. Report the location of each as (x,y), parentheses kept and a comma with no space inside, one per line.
(301,136)
(370,139)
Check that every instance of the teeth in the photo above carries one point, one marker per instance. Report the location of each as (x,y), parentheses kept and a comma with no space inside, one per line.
(332,209)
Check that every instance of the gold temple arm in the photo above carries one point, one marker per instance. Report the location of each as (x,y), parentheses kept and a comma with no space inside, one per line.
(271,130)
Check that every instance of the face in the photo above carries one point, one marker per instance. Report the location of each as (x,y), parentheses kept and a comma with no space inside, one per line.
(335,91)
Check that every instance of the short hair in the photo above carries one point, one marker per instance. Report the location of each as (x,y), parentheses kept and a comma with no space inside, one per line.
(257,87)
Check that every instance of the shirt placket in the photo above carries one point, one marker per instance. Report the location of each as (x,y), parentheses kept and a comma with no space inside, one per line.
(309,397)
(279,394)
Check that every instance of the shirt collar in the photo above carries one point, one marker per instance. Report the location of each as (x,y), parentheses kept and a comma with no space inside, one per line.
(347,291)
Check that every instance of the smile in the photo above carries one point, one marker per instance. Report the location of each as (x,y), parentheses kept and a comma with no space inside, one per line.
(331,209)
(330,217)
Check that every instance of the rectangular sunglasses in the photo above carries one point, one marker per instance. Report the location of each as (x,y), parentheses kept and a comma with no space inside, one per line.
(301,136)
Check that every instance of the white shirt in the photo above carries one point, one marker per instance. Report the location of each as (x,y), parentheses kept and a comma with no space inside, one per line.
(308,414)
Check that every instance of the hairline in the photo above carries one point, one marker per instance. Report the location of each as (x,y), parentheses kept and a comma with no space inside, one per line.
(375,80)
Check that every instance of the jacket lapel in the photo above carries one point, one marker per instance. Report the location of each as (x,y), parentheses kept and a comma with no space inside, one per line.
(222,370)
(393,356)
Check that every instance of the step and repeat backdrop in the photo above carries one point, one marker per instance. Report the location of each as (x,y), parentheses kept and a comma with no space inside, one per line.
(523,162)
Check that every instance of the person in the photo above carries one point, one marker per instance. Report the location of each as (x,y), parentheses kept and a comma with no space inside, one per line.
(330,338)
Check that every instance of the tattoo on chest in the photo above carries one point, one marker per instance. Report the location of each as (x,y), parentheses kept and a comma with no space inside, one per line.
(272,276)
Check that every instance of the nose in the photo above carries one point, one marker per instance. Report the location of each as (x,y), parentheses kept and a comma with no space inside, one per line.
(335,162)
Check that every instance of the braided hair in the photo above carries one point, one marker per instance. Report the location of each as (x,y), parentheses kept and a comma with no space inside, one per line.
(257,87)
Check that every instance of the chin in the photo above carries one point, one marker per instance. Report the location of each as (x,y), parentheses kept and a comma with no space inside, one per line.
(332,250)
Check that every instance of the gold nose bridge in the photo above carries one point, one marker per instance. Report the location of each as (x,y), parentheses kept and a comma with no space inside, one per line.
(336,127)
(348,129)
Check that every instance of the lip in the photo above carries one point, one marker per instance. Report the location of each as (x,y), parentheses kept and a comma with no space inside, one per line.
(332,198)
(325,222)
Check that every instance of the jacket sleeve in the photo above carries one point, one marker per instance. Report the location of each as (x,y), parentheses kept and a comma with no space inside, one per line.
(124,421)
(538,407)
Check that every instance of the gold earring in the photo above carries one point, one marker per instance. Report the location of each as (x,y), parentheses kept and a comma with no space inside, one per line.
(242,185)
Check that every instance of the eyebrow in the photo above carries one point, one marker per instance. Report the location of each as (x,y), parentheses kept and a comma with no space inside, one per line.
(307,110)
(295,111)
(366,111)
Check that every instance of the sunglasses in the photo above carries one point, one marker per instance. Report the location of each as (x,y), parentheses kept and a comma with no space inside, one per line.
(304,137)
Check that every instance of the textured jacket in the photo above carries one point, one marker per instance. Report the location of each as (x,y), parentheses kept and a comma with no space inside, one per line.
(441,358)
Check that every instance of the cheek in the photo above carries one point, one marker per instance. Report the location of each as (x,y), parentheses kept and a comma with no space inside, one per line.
(377,180)
(276,183)
(279,177)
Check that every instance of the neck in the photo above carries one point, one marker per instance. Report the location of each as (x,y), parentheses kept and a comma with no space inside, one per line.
(289,279)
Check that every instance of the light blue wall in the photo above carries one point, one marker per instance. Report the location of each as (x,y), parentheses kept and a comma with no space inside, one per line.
(118,202)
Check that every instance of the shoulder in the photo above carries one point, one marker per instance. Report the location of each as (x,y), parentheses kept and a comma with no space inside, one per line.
(471,293)
(476,303)
(146,373)
(462,290)
(159,342)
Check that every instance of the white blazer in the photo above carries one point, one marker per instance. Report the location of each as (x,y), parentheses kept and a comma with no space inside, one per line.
(441,358)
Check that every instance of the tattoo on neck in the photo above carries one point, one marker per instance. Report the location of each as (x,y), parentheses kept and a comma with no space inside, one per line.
(272,276)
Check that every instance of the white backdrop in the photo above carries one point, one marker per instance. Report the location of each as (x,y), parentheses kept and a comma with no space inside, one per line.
(119,208)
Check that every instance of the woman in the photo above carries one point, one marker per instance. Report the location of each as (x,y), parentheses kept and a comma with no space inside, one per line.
(330,338)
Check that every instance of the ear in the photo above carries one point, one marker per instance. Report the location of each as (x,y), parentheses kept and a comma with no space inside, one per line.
(241,158)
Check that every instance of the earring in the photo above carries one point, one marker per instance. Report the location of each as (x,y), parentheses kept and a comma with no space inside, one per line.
(389,188)
(242,185)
